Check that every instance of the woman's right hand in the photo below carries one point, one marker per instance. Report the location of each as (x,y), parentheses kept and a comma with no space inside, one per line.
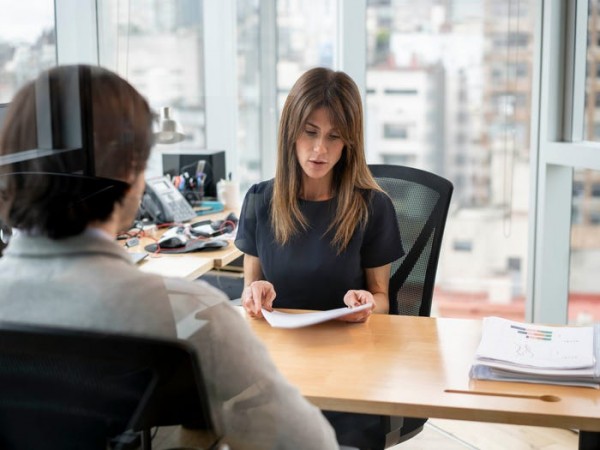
(259,294)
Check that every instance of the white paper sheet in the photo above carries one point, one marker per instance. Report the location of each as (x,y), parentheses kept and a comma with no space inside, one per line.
(279,319)
(538,346)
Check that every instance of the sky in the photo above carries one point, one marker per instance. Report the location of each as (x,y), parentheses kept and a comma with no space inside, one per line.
(24,20)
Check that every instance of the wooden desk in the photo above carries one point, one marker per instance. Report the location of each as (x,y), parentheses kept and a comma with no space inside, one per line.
(223,256)
(187,265)
(401,365)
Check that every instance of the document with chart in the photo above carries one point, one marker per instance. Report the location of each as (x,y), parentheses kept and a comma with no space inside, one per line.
(516,351)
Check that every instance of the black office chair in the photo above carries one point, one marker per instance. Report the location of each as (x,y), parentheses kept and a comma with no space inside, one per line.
(421,200)
(69,389)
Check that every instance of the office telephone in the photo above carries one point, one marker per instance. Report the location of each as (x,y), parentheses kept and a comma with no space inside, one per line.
(163,203)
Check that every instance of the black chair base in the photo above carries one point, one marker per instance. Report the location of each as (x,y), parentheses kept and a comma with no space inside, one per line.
(589,440)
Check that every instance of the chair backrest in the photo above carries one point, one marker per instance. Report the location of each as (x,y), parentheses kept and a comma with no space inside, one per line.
(421,200)
(70,389)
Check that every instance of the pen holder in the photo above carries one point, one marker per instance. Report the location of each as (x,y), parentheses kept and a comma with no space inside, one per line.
(194,197)
(192,188)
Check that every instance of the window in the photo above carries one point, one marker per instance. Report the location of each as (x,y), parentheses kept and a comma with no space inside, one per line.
(400,91)
(463,245)
(596,133)
(400,160)
(578,188)
(306,34)
(437,60)
(507,103)
(27,43)
(446,72)
(510,40)
(514,264)
(592,96)
(576,214)
(594,220)
(584,292)
(566,289)
(511,70)
(158,48)
(394,131)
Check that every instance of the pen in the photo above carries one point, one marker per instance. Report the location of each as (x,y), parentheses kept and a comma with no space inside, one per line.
(544,398)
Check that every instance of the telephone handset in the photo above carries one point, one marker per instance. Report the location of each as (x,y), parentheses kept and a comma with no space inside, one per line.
(163,203)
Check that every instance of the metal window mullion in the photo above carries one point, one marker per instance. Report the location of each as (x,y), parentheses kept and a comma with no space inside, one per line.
(76,31)
(220,79)
(350,53)
(551,235)
(576,50)
(580,155)
(269,117)
(351,45)
(535,138)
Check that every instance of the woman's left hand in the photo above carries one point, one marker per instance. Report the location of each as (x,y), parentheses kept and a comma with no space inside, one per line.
(355,298)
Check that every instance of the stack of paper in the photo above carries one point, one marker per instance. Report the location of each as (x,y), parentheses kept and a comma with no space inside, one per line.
(514,351)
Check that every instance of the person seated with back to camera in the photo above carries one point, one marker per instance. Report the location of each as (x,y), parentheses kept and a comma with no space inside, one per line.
(64,268)
(322,234)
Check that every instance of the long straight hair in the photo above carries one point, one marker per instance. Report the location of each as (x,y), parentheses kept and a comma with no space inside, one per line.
(351,181)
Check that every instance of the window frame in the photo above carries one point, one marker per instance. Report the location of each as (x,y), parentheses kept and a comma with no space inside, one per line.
(558,120)
(557,146)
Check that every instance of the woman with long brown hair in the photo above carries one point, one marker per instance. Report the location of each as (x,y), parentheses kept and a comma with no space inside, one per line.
(321,234)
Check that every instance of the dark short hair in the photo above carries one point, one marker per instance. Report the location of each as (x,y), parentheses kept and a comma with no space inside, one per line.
(58,206)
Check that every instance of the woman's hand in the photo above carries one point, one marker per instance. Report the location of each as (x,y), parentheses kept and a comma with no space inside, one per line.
(356,298)
(258,295)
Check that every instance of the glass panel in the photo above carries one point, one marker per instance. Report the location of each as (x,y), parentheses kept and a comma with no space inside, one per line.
(591,118)
(584,284)
(448,91)
(306,32)
(158,46)
(27,43)
(249,126)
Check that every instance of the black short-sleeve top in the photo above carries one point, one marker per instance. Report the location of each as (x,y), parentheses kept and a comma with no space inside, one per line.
(307,272)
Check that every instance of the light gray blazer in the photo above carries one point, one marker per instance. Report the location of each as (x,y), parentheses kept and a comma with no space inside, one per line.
(88,282)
